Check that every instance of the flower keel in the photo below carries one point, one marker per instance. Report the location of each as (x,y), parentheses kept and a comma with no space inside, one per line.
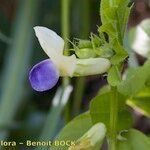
(44,76)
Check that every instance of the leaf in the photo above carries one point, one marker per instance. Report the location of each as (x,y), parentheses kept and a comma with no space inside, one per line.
(141,102)
(74,130)
(148,82)
(109,28)
(105,89)
(114,76)
(135,140)
(130,86)
(121,53)
(124,19)
(134,82)
(104,4)
(114,16)
(117,11)
(100,111)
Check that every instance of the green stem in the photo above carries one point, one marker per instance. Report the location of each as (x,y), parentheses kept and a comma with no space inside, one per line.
(78,95)
(65,23)
(84,32)
(113,119)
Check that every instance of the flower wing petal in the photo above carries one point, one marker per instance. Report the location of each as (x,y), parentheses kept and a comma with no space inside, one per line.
(66,64)
(51,43)
(44,76)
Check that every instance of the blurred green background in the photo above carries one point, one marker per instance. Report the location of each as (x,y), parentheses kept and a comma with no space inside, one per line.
(24,112)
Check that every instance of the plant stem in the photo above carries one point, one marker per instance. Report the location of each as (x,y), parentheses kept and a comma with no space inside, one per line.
(84,32)
(65,8)
(113,119)
(65,23)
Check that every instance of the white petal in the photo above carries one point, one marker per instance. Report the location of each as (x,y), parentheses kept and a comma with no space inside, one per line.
(66,64)
(53,46)
(51,43)
(141,44)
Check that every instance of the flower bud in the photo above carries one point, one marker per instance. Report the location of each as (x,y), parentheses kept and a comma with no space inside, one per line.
(91,138)
(85,53)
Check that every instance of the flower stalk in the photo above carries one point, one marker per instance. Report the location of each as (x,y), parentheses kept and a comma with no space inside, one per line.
(65,27)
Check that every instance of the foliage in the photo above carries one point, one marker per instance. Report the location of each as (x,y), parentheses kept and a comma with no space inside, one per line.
(134,139)
(100,111)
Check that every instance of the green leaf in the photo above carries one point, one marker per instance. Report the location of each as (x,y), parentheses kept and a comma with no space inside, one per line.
(135,140)
(141,102)
(134,82)
(116,12)
(124,19)
(148,82)
(109,28)
(121,53)
(100,111)
(130,39)
(105,89)
(114,16)
(122,2)
(130,86)
(74,130)
(114,76)
(104,4)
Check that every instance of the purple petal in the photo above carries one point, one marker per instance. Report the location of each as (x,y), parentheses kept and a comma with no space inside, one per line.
(44,76)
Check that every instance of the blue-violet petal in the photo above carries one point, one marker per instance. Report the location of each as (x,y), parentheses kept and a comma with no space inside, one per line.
(44,76)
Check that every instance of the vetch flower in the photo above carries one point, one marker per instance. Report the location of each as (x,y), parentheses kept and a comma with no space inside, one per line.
(45,74)
(141,43)
(53,46)
(91,138)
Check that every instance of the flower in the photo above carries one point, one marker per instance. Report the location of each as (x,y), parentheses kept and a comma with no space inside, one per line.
(93,136)
(141,43)
(44,75)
